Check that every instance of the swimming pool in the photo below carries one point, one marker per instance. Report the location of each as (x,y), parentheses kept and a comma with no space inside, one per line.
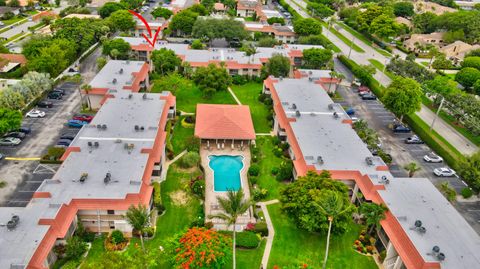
(226,172)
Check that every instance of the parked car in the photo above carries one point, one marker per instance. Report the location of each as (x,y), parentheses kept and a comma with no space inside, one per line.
(399,128)
(235,43)
(59,90)
(45,104)
(444,172)
(10,141)
(64,142)
(369,96)
(18,135)
(55,95)
(432,158)
(76,123)
(83,117)
(35,113)
(350,111)
(354,119)
(356,82)
(1,156)
(413,140)
(25,130)
(69,136)
(363,89)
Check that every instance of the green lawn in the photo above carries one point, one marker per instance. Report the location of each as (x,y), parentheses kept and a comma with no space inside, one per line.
(248,95)
(249,258)
(180,135)
(363,38)
(14,20)
(267,161)
(293,247)
(381,67)
(96,250)
(187,99)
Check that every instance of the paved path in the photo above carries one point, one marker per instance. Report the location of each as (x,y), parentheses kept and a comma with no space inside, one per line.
(271,232)
(234,96)
(450,134)
(22,28)
(457,140)
(168,163)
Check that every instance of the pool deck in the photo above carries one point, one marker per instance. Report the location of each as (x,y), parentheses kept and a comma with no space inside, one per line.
(211,204)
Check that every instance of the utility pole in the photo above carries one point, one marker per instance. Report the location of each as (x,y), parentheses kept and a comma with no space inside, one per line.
(436,114)
(351,45)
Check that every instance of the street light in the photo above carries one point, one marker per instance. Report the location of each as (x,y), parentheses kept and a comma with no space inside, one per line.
(351,45)
(436,114)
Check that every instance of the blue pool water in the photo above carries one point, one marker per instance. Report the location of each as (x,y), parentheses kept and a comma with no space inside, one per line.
(226,172)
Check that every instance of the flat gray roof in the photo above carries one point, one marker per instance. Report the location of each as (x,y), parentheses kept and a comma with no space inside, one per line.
(111,71)
(319,132)
(411,199)
(220,54)
(120,115)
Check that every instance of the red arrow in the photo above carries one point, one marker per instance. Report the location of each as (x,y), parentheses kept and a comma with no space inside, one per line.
(148,29)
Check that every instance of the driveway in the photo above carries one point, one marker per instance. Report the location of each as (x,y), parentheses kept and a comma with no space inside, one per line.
(21,180)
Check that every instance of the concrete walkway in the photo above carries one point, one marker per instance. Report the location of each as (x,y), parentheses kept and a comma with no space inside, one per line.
(168,163)
(271,232)
(460,142)
(234,96)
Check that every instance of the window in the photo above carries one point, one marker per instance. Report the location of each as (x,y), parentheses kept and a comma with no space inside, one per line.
(111,212)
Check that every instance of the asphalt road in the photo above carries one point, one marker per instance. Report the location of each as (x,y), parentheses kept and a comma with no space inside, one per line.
(378,119)
(22,176)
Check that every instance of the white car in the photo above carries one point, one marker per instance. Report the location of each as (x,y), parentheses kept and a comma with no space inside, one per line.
(432,158)
(356,82)
(444,172)
(35,113)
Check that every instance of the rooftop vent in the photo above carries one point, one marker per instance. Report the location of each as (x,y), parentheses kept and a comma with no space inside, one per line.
(118,140)
(130,96)
(294,106)
(144,96)
(136,127)
(108,178)
(83,177)
(121,71)
(114,81)
(297,114)
(13,222)
(310,79)
(369,161)
(90,144)
(335,115)
(385,180)
(104,126)
(418,227)
(96,144)
(128,147)
(330,106)
(319,160)
(281,78)
(99,126)
(437,254)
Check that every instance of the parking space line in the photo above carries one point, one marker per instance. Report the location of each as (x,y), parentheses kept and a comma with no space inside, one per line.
(22,159)
(27,191)
(34,181)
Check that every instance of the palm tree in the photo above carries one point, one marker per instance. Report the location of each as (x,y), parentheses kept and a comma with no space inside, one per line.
(234,206)
(411,168)
(332,205)
(138,218)
(373,214)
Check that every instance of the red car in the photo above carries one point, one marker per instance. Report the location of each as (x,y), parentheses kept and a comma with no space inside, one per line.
(83,117)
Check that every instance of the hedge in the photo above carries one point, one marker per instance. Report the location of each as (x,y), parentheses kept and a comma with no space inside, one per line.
(157,198)
(244,239)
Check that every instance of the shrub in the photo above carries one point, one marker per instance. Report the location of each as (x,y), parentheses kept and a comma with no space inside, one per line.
(59,250)
(190,159)
(75,248)
(261,228)
(72,264)
(239,80)
(275,170)
(259,194)
(209,225)
(253,170)
(197,44)
(148,231)
(53,155)
(198,188)
(250,227)
(193,144)
(285,171)
(247,240)
(382,255)
(157,197)
(467,192)
(160,209)
(278,152)
(190,119)
(253,180)
(117,237)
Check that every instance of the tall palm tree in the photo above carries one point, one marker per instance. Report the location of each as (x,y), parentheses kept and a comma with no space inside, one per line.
(331,205)
(138,218)
(373,214)
(411,168)
(86,88)
(234,206)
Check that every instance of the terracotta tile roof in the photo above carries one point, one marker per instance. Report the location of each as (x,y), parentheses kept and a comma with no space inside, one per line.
(224,122)
(13,58)
(219,6)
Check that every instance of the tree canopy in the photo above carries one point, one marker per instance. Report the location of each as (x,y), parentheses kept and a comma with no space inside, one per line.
(403,9)
(403,96)
(183,21)
(118,44)
(307,26)
(212,28)
(316,58)
(301,198)
(468,76)
(162,12)
(9,119)
(469,170)
(131,4)
(472,61)
(165,61)
(121,20)
(278,65)
(212,78)
(109,8)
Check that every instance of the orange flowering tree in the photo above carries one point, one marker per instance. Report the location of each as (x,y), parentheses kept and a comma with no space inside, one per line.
(200,248)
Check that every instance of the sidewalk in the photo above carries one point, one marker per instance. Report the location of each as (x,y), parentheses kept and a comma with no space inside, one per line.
(271,232)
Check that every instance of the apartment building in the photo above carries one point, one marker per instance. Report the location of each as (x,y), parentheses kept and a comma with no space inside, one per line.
(117,75)
(236,62)
(421,230)
(281,33)
(158,25)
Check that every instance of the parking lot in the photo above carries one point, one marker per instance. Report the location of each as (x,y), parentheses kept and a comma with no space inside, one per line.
(23,176)
(378,118)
